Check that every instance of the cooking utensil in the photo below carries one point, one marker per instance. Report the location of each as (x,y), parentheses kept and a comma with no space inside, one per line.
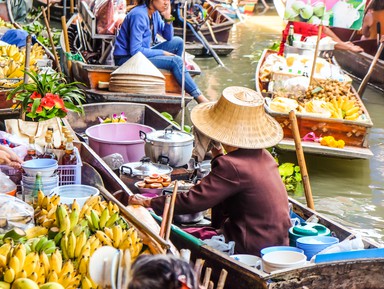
(170,213)
(175,146)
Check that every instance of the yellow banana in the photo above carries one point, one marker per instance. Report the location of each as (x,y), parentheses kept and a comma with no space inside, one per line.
(33,276)
(86,283)
(117,235)
(14,263)
(31,262)
(36,232)
(20,253)
(44,261)
(3,261)
(55,199)
(94,246)
(40,197)
(352,111)
(81,240)
(64,246)
(53,277)
(41,275)
(56,262)
(21,274)
(105,240)
(67,268)
(104,217)
(108,232)
(353,116)
(83,211)
(5,248)
(9,275)
(91,201)
(83,265)
(71,245)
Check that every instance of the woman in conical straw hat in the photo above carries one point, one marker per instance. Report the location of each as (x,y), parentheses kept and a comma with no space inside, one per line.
(244,189)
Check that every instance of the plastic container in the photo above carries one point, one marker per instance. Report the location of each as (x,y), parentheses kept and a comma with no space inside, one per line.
(250,260)
(122,138)
(314,244)
(279,248)
(351,255)
(46,166)
(307,229)
(70,174)
(279,260)
(68,193)
(7,186)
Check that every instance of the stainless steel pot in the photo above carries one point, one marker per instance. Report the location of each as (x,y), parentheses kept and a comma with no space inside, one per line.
(130,173)
(173,146)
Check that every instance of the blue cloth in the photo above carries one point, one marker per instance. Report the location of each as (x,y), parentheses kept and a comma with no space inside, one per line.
(17,37)
(135,33)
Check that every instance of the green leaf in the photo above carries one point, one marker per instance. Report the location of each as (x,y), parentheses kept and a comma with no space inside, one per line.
(286,169)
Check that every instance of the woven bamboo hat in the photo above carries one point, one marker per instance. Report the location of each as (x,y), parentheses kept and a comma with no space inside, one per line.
(238,119)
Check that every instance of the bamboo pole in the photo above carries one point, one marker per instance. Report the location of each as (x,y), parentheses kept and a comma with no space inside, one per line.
(301,160)
(66,42)
(51,40)
(316,52)
(170,213)
(136,222)
(165,216)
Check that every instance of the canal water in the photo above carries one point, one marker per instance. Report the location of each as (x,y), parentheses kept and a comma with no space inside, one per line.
(348,191)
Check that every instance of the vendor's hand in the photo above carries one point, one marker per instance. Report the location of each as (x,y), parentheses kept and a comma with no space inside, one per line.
(139,200)
(354,48)
(8,157)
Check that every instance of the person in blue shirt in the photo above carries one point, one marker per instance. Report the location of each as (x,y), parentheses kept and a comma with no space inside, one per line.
(138,34)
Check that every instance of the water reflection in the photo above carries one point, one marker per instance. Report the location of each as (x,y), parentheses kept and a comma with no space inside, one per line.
(349,191)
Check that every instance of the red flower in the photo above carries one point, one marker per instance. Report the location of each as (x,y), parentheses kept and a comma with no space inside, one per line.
(38,110)
(35,95)
(47,102)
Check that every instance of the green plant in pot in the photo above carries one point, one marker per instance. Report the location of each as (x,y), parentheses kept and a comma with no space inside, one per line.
(47,95)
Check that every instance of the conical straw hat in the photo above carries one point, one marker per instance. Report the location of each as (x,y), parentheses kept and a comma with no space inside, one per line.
(238,119)
(138,64)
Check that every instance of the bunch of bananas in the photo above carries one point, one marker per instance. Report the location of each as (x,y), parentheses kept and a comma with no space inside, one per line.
(6,24)
(12,62)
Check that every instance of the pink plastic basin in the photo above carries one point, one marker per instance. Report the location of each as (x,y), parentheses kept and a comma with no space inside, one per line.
(121,138)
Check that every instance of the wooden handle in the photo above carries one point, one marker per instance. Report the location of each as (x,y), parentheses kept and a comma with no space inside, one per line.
(207,277)
(316,51)
(66,42)
(51,40)
(222,279)
(198,268)
(170,213)
(27,58)
(364,83)
(165,216)
(301,160)
(136,222)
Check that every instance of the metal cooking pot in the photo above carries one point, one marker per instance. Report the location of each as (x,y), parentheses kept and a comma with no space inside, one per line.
(174,146)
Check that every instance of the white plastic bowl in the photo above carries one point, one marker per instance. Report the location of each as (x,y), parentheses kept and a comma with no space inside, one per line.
(68,193)
(250,260)
(45,166)
(279,260)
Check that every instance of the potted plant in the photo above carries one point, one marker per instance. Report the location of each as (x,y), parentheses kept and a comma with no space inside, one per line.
(47,96)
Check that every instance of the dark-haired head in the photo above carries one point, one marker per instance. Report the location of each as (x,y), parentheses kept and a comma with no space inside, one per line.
(161,272)
(377,5)
(146,2)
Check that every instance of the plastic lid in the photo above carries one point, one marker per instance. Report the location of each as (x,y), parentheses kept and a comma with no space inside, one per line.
(145,168)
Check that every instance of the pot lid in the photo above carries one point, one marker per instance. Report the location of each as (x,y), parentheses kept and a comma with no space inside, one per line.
(170,135)
(145,168)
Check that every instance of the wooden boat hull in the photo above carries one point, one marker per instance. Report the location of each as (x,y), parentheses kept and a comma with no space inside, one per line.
(360,273)
(198,49)
(221,27)
(354,133)
(357,64)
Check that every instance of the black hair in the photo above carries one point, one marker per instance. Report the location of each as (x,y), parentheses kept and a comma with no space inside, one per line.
(377,5)
(146,2)
(161,272)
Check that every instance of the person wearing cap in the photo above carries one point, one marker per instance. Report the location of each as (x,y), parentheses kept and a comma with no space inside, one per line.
(138,33)
(244,188)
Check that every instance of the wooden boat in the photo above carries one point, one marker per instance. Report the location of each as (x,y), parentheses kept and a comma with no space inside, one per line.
(354,133)
(357,64)
(216,30)
(352,273)
(92,74)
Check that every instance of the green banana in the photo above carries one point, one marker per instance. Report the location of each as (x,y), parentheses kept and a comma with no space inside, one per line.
(73,218)
(48,247)
(95,219)
(40,244)
(112,220)
(104,217)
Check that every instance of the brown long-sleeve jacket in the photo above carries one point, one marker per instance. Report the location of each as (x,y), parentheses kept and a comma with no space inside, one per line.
(248,200)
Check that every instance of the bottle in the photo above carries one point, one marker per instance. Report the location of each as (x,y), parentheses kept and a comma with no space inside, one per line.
(64,136)
(37,186)
(31,151)
(69,158)
(48,148)
(290,35)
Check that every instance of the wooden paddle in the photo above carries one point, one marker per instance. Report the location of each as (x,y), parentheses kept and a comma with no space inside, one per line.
(301,159)
(66,42)
(170,213)
(364,83)
(51,40)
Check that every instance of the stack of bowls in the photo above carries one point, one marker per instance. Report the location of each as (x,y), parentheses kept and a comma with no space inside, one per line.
(68,193)
(314,244)
(280,260)
(49,176)
(250,260)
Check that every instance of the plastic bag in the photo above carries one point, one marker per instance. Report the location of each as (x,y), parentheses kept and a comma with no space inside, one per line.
(218,243)
(14,213)
(104,13)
